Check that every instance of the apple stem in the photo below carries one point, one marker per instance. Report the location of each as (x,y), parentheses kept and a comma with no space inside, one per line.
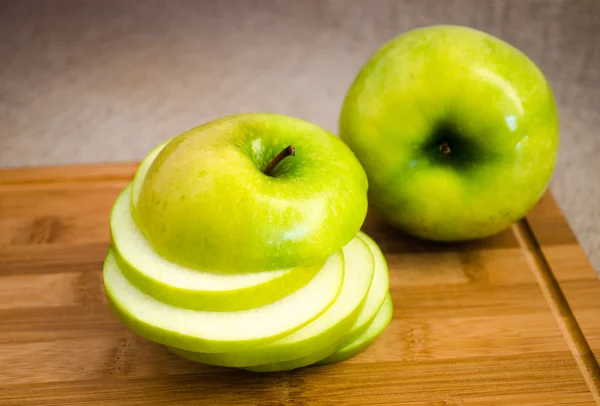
(445,148)
(287,151)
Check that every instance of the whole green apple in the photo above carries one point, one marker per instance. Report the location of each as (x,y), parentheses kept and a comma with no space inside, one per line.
(456,129)
(252,192)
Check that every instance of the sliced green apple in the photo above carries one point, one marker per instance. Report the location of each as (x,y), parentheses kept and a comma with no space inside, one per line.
(377,292)
(329,328)
(359,344)
(140,175)
(190,288)
(206,331)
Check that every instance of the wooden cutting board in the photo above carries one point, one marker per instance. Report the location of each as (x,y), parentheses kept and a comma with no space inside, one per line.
(510,320)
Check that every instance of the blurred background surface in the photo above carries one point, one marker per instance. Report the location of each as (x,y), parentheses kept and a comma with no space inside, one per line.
(96,81)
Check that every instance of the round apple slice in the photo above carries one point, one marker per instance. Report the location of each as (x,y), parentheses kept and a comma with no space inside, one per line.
(190,288)
(140,174)
(329,328)
(206,331)
(360,343)
(377,292)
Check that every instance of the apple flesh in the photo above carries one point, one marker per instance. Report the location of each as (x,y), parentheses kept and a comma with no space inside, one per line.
(207,203)
(378,290)
(350,346)
(375,315)
(309,359)
(335,352)
(328,328)
(190,288)
(456,129)
(206,331)
(360,343)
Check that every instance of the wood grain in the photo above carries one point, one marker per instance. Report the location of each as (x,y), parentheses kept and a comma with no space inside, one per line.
(510,320)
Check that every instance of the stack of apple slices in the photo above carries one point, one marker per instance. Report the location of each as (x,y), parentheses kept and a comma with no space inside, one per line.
(262,320)
(359,312)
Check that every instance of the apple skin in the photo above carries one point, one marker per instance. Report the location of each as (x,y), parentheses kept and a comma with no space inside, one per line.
(205,202)
(481,96)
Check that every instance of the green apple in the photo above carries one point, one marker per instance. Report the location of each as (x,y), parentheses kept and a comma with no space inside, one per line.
(250,193)
(328,328)
(206,331)
(190,288)
(456,129)
(359,344)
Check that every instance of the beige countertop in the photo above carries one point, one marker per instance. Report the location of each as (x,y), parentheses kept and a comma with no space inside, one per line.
(95,81)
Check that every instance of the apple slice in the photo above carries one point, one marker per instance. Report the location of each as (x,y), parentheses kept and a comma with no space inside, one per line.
(336,353)
(377,292)
(206,331)
(190,288)
(329,328)
(296,363)
(140,175)
(373,318)
(359,344)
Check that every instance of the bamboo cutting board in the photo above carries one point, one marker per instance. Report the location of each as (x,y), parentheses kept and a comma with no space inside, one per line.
(510,320)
